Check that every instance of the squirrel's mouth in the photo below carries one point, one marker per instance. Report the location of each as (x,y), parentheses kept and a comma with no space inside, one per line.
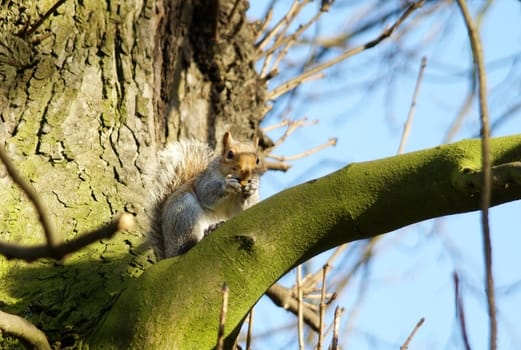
(244,182)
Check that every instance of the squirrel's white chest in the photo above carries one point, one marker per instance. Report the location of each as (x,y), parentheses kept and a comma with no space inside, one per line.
(225,209)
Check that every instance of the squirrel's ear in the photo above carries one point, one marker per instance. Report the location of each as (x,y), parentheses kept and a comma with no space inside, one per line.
(227,140)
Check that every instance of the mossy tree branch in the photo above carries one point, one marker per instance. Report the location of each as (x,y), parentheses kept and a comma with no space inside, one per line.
(176,303)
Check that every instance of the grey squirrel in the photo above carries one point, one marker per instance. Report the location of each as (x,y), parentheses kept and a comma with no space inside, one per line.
(194,191)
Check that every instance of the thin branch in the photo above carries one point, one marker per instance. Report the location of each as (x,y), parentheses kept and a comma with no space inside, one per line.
(287,298)
(285,43)
(460,312)
(412,109)
(322,308)
(283,297)
(405,345)
(23,330)
(325,5)
(222,317)
(278,166)
(42,19)
(336,326)
(292,83)
(293,125)
(328,143)
(265,23)
(250,330)
(300,308)
(283,23)
(41,210)
(282,40)
(291,39)
(234,9)
(15,251)
(477,53)
(272,127)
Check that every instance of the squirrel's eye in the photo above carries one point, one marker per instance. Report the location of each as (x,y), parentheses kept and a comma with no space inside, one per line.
(230,155)
(257,160)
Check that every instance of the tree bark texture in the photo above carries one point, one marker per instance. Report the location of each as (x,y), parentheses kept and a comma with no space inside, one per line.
(87,99)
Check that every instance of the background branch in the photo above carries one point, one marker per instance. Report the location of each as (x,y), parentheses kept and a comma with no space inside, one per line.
(477,54)
(313,72)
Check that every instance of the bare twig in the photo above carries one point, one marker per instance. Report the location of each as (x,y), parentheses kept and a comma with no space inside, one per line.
(322,308)
(292,126)
(329,143)
(287,298)
(288,41)
(336,326)
(305,76)
(412,109)
(265,23)
(272,127)
(234,9)
(325,5)
(222,317)
(460,312)
(283,44)
(35,26)
(283,23)
(300,308)
(293,83)
(287,20)
(24,330)
(362,263)
(283,40)
(279,166)
(477,53)
(250,330)
(283,297)
(41,210)
(14,251)
(405,345)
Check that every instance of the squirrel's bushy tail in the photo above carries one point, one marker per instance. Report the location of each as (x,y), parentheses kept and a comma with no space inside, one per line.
(175,165)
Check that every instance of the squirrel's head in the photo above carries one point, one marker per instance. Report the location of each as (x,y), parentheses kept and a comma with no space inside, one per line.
(240,158)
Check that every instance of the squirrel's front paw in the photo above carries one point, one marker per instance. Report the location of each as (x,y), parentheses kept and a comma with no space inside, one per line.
(231,184)
(250,187)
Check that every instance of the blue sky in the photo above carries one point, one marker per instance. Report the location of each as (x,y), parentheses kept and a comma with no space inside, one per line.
(411,275)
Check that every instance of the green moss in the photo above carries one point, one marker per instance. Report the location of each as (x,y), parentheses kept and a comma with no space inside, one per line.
(66,300)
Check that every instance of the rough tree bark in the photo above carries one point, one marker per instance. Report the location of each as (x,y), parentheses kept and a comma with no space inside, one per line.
(87,99)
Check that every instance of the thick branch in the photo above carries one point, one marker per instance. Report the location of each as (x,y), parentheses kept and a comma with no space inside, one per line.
(176,303)
(23,329)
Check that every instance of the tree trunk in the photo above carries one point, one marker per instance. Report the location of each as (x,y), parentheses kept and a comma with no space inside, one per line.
(88,97)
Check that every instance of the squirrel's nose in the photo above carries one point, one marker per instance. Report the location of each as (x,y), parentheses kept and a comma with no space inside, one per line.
(245,177)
